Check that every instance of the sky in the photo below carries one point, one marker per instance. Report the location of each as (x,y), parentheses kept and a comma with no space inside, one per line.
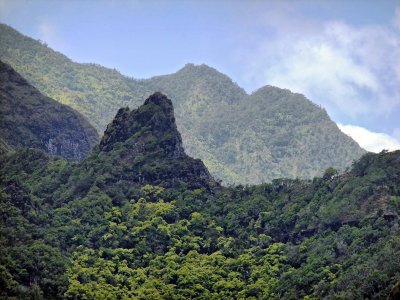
(342,54)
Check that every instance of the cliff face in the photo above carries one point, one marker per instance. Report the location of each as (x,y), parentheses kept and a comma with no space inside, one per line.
(30,119)
(146,144)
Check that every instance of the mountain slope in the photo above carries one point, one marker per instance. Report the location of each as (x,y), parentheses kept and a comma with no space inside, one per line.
(30,119)
(296,136)
(93,90)
(205,102)
(232,132)
(254,138)
(99,229)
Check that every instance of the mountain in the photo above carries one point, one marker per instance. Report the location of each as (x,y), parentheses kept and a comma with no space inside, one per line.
(139,219)
(253,138)
(93,90)
(149,147)
(241,138)
(298,137)
(30,119)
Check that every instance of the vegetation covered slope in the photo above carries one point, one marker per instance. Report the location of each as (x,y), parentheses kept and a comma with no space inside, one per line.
(139,219)
(241,138)
(30,119)
(254,138)
(93,90)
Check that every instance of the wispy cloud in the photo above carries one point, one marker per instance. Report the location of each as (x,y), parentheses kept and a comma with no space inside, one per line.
(49,34)
(371,141)
(47,31)
(351,70)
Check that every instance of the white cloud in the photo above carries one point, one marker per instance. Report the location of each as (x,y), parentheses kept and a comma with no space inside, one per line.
(371,141)
(47,32)
(350,70)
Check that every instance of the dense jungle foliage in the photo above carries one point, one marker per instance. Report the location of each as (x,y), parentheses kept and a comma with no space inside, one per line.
(241,138)
(139,219)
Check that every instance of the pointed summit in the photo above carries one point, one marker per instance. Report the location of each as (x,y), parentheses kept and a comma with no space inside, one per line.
(146,143)
(153,124)
(160,100)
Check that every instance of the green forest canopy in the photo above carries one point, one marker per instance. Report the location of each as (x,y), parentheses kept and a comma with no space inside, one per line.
(90,230)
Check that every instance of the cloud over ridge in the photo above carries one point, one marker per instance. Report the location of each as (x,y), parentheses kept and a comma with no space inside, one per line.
(370,141)
(352,70)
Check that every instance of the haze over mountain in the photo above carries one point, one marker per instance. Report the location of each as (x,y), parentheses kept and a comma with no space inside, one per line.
(241,138)
(30,119)
(139,219)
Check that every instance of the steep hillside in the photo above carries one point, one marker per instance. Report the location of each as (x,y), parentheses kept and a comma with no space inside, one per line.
(4,148)
(139,219)
(296,136)
(93,90)
(241,138)
(30,119)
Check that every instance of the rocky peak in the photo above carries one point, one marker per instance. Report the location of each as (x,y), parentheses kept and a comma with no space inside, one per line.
(146,142)
(150,128)
(162,102)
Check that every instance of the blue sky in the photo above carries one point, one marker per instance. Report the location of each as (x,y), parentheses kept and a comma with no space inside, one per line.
(343,55)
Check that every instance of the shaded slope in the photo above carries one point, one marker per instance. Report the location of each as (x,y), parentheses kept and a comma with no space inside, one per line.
(30,119)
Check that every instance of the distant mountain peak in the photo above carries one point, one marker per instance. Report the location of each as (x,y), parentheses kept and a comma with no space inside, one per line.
(201,68)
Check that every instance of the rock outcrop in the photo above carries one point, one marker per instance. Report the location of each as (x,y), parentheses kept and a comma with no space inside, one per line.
(147,145)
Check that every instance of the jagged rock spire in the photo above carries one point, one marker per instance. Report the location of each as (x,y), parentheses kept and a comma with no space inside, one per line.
(149,145)
(154,120)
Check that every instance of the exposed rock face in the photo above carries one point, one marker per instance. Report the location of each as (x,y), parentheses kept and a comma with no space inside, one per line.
(30,119)
(149,146)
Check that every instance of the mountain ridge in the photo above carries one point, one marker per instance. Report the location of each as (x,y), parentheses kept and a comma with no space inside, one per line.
(209,108)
